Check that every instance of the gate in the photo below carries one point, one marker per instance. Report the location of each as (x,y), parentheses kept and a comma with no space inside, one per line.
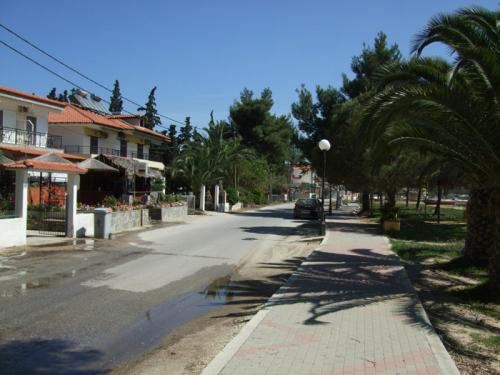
(49,221)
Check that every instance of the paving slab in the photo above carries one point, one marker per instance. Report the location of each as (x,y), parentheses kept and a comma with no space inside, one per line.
(349,309)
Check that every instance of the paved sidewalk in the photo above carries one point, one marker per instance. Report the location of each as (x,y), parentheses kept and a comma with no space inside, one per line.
(349,309)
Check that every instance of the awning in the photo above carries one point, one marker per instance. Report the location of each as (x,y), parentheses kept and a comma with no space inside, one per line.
(96,166)
(152,164)
(137,167)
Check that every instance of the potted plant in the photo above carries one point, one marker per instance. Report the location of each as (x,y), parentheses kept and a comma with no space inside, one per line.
(390,220)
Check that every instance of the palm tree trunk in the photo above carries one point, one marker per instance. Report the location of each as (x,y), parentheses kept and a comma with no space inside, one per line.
(494,262)
(479,241)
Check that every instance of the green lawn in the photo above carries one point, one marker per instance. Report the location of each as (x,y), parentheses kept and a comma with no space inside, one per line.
(422,240)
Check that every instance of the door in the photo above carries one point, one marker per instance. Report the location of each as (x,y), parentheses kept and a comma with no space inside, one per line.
(31,130)
(94,145)
(140,151)
(123,148)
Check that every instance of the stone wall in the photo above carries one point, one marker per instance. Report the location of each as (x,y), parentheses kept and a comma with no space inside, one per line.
(169,214)
(123,220)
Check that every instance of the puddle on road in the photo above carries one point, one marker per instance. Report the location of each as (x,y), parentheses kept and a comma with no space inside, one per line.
(149,331)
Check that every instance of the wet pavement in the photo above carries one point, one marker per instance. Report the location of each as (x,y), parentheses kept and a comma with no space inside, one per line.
(83,307)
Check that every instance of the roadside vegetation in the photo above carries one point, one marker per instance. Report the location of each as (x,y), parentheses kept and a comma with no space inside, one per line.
(454,291)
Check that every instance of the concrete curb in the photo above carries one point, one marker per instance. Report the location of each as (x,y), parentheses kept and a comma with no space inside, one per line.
(222,359)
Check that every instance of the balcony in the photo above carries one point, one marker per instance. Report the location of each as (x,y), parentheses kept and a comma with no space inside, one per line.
(22,137)
(88,150)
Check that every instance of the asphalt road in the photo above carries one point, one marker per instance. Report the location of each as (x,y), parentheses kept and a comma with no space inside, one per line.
(84,309)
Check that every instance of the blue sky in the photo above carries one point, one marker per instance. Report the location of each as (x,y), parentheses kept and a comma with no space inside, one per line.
(202,53)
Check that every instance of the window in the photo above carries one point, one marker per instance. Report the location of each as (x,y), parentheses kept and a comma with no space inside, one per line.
(123,148)
(140,151)
(94,145)
(1,120)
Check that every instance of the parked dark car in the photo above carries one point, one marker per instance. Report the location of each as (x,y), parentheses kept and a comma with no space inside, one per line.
(309,208)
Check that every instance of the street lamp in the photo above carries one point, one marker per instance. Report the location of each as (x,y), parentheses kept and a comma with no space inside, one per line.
(324,146)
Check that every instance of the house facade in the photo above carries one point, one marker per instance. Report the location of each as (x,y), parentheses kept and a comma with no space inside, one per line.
(88,130)
(24,120)
(29,153)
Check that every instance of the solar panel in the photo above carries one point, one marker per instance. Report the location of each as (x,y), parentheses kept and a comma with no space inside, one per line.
(92,102)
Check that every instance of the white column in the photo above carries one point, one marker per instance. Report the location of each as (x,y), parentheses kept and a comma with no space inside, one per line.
(202,198)
(72,191)
(216,198)
(22,194)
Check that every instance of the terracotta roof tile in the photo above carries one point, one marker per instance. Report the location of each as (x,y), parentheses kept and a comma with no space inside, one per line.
(74,115)
(45,166)
(37,152)
(152,132)
(25,95)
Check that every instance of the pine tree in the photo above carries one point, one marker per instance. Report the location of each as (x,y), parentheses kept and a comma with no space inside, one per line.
(151,118)
(116,102)
(72,96)
(186,133)
(52,94)
(63,97)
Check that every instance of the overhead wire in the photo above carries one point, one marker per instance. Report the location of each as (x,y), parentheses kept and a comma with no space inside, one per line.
(75,71)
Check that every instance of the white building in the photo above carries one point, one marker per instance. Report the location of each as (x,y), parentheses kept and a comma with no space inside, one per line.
(27,149)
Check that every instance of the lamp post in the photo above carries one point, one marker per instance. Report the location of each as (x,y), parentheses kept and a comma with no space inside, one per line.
(324,146)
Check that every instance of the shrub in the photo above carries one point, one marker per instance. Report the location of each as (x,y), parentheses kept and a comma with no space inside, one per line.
(389,213)
(232,195)
(110,201)
(158,184)
(259,197)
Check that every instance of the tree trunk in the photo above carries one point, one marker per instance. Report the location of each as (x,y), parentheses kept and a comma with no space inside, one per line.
(407,196)
(437,209)
(381,199)
(391,199)
(365,201)
(494,261)
(479,241)
(419,197)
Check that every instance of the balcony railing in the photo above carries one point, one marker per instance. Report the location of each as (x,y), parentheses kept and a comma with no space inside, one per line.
(26,138)
(87,150)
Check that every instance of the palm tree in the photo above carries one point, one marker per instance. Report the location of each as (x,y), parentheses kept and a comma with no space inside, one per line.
(209,157)
(452,109)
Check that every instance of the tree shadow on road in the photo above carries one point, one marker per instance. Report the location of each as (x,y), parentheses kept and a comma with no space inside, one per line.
(44,356)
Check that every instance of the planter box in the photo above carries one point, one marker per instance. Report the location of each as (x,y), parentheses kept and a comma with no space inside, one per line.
(391,225)
(235,207)
(169,214)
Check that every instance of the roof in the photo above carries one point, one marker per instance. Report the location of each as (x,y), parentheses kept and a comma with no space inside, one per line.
(4,159)
(126,115)
(75,115)
(142,129)
(36,151)
(96,165)
(36,98)
(47,166)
